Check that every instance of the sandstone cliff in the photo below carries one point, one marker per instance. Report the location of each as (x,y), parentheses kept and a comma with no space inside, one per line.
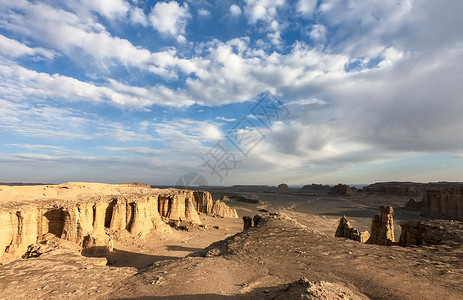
(88,214)
(443,203)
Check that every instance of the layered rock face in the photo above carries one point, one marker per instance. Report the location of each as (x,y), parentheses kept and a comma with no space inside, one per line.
(443,203)
(341,189)
(382,227)
(431,232)
(203,202)
(346,230)
(88,214)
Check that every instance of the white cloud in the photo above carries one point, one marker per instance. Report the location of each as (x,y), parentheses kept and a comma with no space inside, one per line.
(225,119)
(137,16)
(204,13)
(108,8)
(13,48)
(17,83)
(42,121)
(37,147)
(145,151)
(188,134)
(266,11)
(170,18)
(307,7)
(235,10)
(84,39)
(318,32)
(262,10)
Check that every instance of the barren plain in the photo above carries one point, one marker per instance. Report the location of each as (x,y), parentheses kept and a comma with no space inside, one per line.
(289,254)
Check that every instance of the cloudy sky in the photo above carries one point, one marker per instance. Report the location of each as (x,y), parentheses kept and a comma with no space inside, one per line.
(241,92)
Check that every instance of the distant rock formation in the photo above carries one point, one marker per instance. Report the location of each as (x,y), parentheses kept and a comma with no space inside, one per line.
(431,232)
(412,204)
(443,203)
(341,189)
(316,188)
(136,184)
(346,230)
(382,227)
(394,188)
(87,215)
(283,187)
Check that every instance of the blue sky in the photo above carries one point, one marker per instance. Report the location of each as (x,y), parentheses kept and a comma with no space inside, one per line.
(120,90)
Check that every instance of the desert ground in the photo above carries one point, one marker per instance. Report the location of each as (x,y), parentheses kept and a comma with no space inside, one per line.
(291,254)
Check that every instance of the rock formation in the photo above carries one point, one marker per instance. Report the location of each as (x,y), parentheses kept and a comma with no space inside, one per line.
(316,188)
(431,232)
(203,202)
(443,203)
(220,209)
(412,204)
(395,188)
(283,187)
(224,198)
(88,214)
(341,189)
(382,227)
(256,219)
(346,230)
(247,222)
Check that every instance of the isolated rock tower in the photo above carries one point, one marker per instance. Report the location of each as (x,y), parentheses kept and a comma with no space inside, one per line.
(382,227)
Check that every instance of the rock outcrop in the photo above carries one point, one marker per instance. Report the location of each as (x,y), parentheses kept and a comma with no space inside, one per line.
(346,230)
(203,202)
(431,232)
(395,188)
(412,204)
(247,222)
(316,188)
(382,227)
(443,203)
(341,189)
(283,187)
(224,198)
(220,209)
(87,215)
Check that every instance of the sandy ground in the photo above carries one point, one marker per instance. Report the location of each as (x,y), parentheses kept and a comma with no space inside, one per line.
(280,260)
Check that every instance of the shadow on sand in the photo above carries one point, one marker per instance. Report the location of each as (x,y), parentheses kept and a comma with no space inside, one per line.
(120,258)
(181,248)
